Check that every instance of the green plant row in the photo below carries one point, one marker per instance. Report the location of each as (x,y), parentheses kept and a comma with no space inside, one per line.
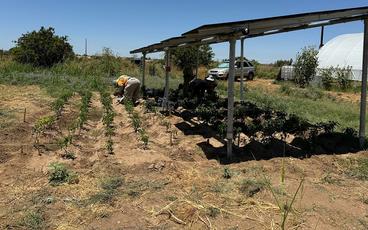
(108,117)
(86,99)
(137,123)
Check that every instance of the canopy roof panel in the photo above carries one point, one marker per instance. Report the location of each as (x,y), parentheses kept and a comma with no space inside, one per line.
(220,32)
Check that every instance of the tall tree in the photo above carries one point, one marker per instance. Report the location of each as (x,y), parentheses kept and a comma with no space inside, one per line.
(186,58)
(42,48)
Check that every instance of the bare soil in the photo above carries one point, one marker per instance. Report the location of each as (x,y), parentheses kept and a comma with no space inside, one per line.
(170,185)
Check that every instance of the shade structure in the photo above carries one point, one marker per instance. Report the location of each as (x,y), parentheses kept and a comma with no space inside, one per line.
(343,51)
(221,32)
(232,31)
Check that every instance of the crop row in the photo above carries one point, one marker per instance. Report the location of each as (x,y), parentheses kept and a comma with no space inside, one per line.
(137,123)
(108,118)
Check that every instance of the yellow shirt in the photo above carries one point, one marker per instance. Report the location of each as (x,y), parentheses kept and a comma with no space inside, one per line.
(122,80)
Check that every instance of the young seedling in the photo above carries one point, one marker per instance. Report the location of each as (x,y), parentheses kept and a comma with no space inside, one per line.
(109,146)
(41,125)
(144,138)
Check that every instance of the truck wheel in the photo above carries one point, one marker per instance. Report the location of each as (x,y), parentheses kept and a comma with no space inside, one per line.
(250,76)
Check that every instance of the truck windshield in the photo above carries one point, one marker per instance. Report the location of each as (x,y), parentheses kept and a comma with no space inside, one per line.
(223,65)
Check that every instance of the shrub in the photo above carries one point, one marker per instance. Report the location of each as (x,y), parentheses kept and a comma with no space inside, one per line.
(344,77)
(42,48)
(327,77)
(305,66)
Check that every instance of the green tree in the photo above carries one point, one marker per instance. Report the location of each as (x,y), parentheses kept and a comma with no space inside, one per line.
(305,66)
(42,48)
(186,58)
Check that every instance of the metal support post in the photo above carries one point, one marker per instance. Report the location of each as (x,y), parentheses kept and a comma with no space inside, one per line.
(197,62)
(230,98)
(363,99)
(167,72)
(144,73)
(322,33)
(242,70)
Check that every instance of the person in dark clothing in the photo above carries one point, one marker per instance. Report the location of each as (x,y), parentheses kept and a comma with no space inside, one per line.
(198,87)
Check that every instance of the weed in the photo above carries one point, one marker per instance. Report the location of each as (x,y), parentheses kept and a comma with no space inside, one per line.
(250,187)
(112,183)
(104,196)
(59,174)
(213,212)
(109,188)
(33,221)
(286,207)
(329,179)
(69,155)
(227,173)
(360,169)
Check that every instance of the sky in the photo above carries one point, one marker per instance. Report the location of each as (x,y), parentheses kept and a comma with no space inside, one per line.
(126,25)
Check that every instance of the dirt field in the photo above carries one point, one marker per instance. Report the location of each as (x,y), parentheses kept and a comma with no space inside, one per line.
(170,185)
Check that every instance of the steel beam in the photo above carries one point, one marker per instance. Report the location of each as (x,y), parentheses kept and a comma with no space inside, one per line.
(230,98)
(363,98)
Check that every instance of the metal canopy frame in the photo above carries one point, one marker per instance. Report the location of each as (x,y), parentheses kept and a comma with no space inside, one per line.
(232,31)
(222,32)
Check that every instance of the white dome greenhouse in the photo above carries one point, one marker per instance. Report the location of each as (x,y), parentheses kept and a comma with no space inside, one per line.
(343,51)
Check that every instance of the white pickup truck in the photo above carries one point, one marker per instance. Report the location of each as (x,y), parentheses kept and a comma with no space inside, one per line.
(222,70)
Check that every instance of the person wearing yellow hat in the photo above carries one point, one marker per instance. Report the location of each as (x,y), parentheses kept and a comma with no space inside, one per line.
(127,88)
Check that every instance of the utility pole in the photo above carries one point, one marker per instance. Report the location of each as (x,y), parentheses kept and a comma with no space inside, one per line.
(85,47)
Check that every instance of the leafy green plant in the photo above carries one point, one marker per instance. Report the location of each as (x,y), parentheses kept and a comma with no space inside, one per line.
(305,66)
(83,111)
(107,118)
(59,174)
(58,104)
(327,77)
(344,77)
(41,125)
